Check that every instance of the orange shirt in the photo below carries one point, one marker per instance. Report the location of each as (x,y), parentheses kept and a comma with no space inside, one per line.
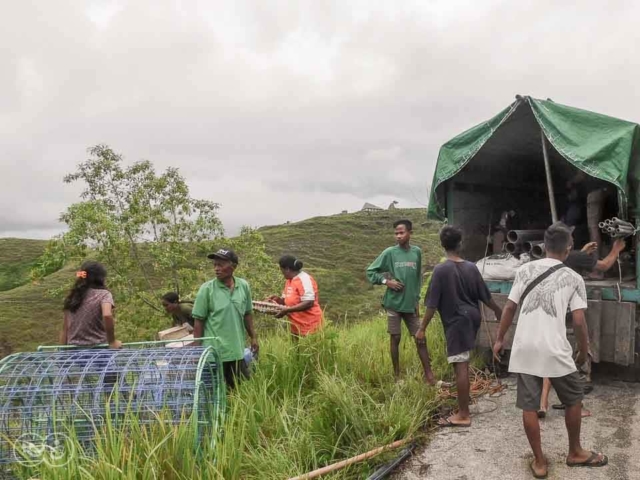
(299,289)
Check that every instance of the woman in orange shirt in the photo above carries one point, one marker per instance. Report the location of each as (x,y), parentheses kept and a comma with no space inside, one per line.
(300,298)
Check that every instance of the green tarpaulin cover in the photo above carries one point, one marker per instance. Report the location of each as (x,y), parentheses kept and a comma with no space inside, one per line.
(603,147)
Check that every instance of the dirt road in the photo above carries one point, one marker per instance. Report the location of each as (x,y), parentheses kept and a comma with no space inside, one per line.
(495,447)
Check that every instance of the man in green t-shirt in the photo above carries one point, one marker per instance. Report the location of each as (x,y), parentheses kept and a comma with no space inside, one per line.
(399,268)
(223,309)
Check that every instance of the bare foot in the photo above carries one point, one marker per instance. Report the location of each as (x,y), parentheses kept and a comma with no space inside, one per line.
(586,413)
(430,379)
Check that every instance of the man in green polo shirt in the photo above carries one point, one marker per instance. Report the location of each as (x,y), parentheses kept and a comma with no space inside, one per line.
(399,268)
(223,309)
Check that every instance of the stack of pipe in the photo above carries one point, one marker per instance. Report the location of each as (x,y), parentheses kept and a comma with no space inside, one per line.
(519,241)
(617,228)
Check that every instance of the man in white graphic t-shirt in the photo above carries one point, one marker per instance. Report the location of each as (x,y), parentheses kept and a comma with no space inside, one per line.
(544,290)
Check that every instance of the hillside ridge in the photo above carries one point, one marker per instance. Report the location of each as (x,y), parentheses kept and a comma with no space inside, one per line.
(335,249)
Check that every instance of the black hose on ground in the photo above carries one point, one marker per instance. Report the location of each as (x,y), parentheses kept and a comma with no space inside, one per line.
(384,471)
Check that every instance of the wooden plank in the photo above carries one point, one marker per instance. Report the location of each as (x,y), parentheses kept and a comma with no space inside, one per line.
(617,339)
(628,293)
(608,331)
(594,317)
(488,315)
(173,333)
(491,323)
(625,329)
(483,341)
(185,342)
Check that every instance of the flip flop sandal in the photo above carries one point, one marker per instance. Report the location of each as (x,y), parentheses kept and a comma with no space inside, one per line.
(537,475)
(442,384)
(559,406)
(589,462)
(446,423)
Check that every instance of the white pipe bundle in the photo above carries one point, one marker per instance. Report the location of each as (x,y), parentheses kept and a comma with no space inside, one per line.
(617,228)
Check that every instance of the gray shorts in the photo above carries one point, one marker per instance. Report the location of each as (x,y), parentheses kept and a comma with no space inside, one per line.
(570,390)
(394,320)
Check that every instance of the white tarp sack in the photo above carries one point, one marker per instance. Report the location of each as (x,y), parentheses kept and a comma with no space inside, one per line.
(501,267)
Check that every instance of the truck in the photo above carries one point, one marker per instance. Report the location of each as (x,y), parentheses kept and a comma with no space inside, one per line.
(522,160)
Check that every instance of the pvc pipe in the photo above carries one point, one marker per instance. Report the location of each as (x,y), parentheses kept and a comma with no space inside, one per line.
(521,236)
(538,251)
(513,248)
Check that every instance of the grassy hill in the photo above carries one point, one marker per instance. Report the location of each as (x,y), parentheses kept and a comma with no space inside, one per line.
(335,249)
(17,256)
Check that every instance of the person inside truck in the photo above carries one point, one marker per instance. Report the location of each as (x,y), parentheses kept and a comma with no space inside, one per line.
(455,291)
(584,189)
(508,221)
(586,261)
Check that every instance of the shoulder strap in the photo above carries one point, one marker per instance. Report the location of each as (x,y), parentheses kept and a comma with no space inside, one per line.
(539,279)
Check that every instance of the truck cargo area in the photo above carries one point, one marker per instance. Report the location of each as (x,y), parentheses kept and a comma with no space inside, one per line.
(508,173)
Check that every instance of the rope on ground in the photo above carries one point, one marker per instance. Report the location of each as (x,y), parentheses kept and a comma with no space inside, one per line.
(481,383)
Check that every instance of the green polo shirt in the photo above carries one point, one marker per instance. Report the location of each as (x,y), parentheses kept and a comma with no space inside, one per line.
(223,311)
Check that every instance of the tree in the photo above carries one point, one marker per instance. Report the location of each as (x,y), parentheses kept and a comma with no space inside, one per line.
(143,226)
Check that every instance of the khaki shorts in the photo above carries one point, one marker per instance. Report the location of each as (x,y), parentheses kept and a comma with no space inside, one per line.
(570,390)
(394,320)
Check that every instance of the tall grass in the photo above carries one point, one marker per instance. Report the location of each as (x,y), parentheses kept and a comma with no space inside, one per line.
(330,397)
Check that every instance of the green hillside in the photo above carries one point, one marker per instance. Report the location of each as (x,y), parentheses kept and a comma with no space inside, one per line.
(338,249)
(17,256)
(335,249)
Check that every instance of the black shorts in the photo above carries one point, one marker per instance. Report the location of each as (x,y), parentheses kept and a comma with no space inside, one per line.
(570,390)
(234,372)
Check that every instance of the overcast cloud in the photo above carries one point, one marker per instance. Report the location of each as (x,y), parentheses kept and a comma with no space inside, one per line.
(283,110)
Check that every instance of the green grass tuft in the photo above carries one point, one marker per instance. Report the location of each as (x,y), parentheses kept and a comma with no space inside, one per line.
(331,397)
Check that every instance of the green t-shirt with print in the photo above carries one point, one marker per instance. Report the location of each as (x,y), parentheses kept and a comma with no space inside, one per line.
(222,310)
(403,265)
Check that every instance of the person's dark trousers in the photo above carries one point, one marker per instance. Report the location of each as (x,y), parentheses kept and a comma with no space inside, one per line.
(234,372)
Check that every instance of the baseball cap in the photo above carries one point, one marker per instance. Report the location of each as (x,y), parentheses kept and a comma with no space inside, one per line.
(224,254)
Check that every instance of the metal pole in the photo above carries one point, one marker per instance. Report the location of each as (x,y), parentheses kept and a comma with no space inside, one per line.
(547,168)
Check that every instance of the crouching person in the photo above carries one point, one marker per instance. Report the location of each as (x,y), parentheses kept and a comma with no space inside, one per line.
(455,292)
(543,290)
(223,309)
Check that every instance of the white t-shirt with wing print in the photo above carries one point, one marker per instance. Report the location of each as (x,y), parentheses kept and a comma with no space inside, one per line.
(540,346)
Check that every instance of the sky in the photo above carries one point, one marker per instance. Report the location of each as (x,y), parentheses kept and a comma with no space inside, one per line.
(282,110)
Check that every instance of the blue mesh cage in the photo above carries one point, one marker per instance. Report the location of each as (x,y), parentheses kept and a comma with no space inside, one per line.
(45,392)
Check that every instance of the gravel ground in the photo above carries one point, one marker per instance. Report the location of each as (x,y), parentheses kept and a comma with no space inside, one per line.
(495,447)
